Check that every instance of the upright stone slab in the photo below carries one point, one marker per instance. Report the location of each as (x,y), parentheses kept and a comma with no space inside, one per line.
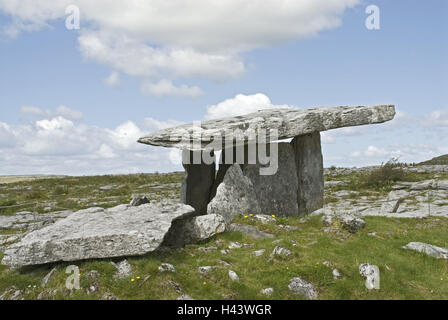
(243,190)
(310,172)
(198,182)
(277,193)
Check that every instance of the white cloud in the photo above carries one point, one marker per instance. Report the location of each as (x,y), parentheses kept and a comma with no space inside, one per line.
(59,145)
(239,105)
(165,88)
(437,118)
(113,80)
(181,38)
(62,111)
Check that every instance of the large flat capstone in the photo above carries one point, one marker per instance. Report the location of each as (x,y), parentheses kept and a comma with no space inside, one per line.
(288,122)
(98,233)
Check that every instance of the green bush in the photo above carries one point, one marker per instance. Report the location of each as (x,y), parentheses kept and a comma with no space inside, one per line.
(386,174)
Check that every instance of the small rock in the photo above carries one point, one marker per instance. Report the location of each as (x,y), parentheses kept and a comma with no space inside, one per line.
(277,241)
(303,288)
(237,245)
(93,274)
(429,249)
(259,253)
(280,251)
(207,249)
(124,269)
(372,275)
(267,291)
(233,276)
(372,234)
(94,287)
(352,224)
(138,201)
(108,296)
(288,228)
(47,278)
(225,251)
(184,297)
(205,269)
(166,267)
(336,274)
(264,218)
(225,263)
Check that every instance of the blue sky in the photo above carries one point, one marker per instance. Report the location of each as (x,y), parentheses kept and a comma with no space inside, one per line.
(60,114)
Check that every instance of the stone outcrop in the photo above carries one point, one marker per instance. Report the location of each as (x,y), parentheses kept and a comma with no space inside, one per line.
(303,288)
(193,229)
(98,233)
(429,249)
(289,123)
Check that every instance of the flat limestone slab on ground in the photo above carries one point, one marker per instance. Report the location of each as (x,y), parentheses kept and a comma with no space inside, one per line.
(98,233)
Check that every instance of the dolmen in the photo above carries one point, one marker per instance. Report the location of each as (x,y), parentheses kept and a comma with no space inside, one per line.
(258,173)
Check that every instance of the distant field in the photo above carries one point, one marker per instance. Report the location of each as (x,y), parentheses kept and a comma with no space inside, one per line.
(14,179)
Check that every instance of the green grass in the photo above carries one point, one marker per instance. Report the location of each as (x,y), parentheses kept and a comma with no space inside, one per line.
(67,193)
(404,274)
(441,160)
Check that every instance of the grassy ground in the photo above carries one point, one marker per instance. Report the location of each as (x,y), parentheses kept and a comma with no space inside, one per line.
(55,194)
(441,160)
(404,274)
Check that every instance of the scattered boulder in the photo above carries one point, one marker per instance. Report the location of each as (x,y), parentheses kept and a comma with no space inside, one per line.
(288,228)
(124,269)
(336,274)
(250,231)
(303,288)
(225,263)
(193,229)
(205,269)
(237,245)
(351,223)
(233,276)
(264,218)
(166,267)
(207,249)
(138,201)
(184,297)
(348,222)
(259,253)
(109,296)
(11,293)
(429,249)
(423,185)
(280,251)
(98,233)
(267,291)
(372,275)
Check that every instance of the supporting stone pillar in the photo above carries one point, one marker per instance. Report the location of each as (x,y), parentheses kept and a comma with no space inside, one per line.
(310,172)
(198,182)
